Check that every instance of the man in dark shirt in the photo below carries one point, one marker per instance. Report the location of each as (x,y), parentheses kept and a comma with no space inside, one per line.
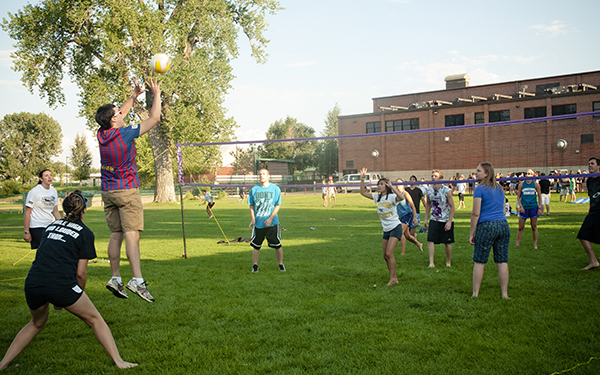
(545,191)
(590,229)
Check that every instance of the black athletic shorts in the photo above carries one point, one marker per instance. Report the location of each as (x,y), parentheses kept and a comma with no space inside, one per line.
(590,229)
(270,233)
(61,297)
(437,234)
(36,236)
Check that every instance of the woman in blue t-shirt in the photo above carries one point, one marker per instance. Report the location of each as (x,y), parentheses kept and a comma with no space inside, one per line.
(489,228)
(58,276)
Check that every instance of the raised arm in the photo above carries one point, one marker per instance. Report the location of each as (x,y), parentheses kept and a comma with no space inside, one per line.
(363,189)
(154,118)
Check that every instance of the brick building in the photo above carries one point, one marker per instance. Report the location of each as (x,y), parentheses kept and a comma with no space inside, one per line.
(563,143)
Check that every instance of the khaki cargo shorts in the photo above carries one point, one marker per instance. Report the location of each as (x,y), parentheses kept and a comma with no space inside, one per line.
(123,210)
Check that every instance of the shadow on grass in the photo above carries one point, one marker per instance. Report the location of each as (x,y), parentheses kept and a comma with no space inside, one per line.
(331,312)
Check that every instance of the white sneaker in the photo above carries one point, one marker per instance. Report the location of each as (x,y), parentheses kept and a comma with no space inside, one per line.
(116,288)
(140,290)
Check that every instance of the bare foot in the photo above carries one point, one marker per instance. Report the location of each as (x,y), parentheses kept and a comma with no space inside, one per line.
(591,266)
(392,282)
(474,296)
(448,265)
(124,365)
(517,245)
(420,246)
(505,297)
(431,266)
(402,253)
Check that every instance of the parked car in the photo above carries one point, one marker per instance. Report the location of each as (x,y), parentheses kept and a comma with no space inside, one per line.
(370,178)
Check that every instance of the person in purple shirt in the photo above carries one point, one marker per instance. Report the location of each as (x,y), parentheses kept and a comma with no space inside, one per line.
(122,202)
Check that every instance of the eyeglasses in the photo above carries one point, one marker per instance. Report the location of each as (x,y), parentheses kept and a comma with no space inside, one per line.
(118,113)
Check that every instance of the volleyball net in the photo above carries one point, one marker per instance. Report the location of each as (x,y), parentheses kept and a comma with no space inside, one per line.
(561,144)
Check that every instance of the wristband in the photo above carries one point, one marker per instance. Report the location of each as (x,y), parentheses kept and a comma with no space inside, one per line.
(26,232)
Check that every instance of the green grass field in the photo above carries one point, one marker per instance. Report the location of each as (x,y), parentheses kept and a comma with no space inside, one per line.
(331,312)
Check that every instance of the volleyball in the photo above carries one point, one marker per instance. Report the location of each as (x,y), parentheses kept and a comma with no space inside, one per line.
(160,63)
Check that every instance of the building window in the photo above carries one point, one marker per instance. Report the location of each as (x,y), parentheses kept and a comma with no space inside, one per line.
(596,107)
(566,109)
(535,112)
(410,124)
(374,127)
(455,120)
(479,118)
(587,138)
(349,163)
(497,116)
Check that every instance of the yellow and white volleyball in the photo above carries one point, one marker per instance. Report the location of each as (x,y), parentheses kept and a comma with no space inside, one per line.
(160,63)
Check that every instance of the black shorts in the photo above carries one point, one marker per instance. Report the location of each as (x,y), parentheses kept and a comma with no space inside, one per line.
(36,236)
(61,297)
(270,233)
(590,229)
(437,234)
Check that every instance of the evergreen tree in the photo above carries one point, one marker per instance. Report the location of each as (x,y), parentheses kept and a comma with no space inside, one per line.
(81,159)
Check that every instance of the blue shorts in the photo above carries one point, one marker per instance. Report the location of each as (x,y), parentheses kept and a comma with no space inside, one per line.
(531,213)
(490,234)
(396,232)
(407,219)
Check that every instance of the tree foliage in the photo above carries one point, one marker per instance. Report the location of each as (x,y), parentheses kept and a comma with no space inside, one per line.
(27,143)
(302,152)
(102,44)
(243,160)
(327,151)
(81,159)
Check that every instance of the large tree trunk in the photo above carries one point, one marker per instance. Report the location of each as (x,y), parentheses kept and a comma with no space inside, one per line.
(163,167)
(164,189)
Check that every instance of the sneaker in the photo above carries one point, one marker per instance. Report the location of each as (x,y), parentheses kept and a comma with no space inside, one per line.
(140,290)
(116,288)
(282,267)
(255,268)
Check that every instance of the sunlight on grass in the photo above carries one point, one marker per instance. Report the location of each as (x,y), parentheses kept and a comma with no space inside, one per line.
(331,312)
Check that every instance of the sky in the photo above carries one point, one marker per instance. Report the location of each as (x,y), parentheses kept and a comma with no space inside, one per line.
(323,52)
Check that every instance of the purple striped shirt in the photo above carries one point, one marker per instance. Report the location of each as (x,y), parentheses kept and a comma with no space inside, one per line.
(117,158)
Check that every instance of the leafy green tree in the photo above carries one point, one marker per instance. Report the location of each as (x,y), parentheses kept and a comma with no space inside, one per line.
(302,152)
(327,151)
(103,44)
(243,160)
(81,159)
(27,143)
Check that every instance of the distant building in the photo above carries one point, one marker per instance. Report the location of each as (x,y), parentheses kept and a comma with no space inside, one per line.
(546,145)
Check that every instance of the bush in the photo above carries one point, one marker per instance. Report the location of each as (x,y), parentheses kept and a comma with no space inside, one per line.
(11,188)
(222,194)
(189,196)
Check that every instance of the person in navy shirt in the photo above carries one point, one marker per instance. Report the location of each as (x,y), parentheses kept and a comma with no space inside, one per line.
(122,202)
(58,276)
(264,201)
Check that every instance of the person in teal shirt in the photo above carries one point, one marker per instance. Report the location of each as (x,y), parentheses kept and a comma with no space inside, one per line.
(529,201)
(264,201)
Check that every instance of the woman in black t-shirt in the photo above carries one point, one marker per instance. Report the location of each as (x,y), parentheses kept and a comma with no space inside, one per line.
(58,276)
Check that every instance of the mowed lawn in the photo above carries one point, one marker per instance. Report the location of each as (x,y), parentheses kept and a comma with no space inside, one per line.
(331,312)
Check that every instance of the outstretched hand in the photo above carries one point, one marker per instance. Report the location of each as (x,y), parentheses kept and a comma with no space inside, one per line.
(363,172)
(138,90)
(154,86)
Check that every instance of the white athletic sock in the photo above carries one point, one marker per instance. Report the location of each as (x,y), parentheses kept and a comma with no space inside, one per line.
(118,278)
(139,280)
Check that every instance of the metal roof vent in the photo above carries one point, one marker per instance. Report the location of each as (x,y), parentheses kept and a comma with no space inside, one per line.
(457,81)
